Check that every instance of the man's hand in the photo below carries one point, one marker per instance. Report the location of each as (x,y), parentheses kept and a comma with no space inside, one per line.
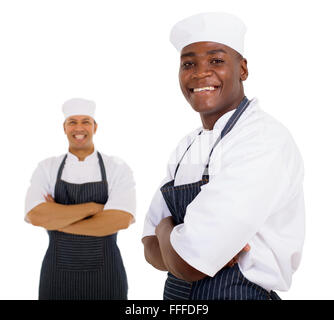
(54,216)
(96,207)
(170,223)
(235,259)
(48,198)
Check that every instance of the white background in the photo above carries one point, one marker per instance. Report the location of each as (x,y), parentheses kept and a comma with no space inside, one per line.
(118,53)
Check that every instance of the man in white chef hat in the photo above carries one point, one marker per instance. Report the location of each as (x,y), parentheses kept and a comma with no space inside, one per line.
(82,198)
(228,219)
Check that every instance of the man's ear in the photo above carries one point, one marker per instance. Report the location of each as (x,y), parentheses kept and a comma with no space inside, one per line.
(64,127)
(95,127)
(243,69)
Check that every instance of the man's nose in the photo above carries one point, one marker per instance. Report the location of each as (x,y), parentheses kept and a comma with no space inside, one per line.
(202,71)
(78,127)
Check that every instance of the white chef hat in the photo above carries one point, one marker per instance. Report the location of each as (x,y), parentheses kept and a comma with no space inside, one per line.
(78,106)
(218,27)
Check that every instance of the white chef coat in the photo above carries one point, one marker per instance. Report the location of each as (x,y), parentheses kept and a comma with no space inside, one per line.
(121,185)
(254,196)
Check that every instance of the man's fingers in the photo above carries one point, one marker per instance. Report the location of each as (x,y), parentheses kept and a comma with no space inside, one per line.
(48,198)
(232,262)
(235,259)
(246,248)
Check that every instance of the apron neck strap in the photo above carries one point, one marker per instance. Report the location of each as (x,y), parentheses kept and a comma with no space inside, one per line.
(61,168)
(228,127)
(102,167)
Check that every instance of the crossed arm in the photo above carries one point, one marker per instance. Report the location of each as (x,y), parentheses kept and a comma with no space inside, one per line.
(85,219)
(160,253)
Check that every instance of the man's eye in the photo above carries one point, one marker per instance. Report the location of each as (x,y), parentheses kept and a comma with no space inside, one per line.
(217,61)
(187,65)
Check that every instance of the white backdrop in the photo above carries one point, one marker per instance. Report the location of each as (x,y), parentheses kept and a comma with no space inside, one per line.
(118,54)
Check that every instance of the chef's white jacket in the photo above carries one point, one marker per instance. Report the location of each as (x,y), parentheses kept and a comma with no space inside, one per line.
(121,185)
(254,196)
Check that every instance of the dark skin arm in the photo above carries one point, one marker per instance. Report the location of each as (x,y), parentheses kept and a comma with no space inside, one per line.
(173,262)
(152,252)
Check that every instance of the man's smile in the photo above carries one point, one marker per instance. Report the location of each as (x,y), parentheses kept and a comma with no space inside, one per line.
(79,137)
(204,89)
(210,88)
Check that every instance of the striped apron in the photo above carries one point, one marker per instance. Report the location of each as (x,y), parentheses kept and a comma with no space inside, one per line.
(229,283)
(79,267)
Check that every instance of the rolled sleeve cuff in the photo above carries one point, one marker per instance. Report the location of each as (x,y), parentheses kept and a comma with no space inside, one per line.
(188,254)
(149,230)
(31,206)
(124,209)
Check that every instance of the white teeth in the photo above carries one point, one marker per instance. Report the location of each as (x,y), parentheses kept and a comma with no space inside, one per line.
(204,89)
(79,136)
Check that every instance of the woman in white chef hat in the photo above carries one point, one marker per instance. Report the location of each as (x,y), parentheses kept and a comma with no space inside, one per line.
(82,199)
(228,220)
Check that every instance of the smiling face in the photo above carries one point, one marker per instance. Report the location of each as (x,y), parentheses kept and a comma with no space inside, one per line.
(211,76)
(80,131)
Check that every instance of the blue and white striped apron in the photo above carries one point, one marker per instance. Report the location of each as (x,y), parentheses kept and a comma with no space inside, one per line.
(79,267)
(228,283)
